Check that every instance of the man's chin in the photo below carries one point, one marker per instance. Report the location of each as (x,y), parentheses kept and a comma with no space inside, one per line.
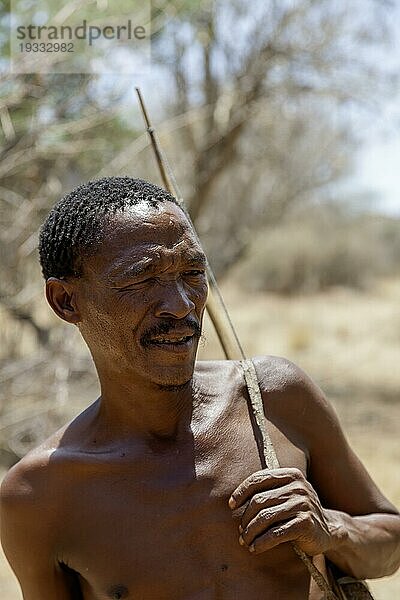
(173,377)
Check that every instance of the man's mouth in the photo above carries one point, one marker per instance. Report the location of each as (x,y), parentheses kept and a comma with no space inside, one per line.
(169,335)
(171,340)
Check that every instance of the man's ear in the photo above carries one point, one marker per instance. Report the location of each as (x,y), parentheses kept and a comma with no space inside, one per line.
(61,296)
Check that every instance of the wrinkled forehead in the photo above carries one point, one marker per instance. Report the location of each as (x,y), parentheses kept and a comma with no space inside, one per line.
(144,231)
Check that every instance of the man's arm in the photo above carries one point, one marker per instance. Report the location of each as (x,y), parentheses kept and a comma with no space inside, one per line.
(339,511)
(28,536)
(371,548)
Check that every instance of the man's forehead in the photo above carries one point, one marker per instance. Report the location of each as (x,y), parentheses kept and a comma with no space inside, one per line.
(143,217)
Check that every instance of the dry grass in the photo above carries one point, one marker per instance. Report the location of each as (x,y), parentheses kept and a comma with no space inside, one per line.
(349,342)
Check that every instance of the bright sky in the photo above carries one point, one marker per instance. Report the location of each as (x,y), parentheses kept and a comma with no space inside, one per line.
(379,172)
(378,164)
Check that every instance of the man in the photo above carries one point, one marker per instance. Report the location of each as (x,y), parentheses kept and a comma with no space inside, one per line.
(155,491)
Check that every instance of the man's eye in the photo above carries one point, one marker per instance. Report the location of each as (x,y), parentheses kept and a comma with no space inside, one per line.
(194,273)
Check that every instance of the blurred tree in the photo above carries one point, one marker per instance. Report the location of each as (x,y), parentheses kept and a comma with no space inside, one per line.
(267,90)
(56,130)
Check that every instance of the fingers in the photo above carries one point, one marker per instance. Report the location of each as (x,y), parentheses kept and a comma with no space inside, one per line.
(262,481)
(280,506)
(291,496)
(279,534)
(267,500)
(267,518)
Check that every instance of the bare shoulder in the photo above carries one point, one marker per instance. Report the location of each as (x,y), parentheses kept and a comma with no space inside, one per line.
(28,483)
(36,482)
(27,507)
(292,396)
(278,374)
(33,502)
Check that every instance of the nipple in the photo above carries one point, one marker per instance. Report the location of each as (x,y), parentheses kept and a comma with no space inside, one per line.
(118,592)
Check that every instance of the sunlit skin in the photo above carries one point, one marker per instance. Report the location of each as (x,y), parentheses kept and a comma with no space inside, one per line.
(155,491)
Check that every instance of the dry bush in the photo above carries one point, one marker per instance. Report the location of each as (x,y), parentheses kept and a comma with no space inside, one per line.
(320,249)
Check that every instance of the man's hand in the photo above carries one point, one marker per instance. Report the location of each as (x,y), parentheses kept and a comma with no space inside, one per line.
(282,506)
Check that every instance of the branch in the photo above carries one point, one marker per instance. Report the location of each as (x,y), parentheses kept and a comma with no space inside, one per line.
(22,315)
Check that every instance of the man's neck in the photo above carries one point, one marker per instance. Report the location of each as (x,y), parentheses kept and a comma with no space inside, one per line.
(144,410)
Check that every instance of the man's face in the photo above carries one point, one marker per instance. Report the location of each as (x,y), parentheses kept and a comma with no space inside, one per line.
(142,296)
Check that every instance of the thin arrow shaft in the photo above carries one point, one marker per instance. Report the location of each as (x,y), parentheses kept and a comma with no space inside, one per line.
(216,307)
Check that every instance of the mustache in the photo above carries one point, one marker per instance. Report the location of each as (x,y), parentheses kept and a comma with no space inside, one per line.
(171,326)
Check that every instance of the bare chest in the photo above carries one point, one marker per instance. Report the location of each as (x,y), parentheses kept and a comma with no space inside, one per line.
(162,528)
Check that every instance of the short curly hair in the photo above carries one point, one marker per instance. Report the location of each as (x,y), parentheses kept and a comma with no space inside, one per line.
(74,226)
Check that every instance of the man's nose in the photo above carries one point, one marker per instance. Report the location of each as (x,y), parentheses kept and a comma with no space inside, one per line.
(175,301)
